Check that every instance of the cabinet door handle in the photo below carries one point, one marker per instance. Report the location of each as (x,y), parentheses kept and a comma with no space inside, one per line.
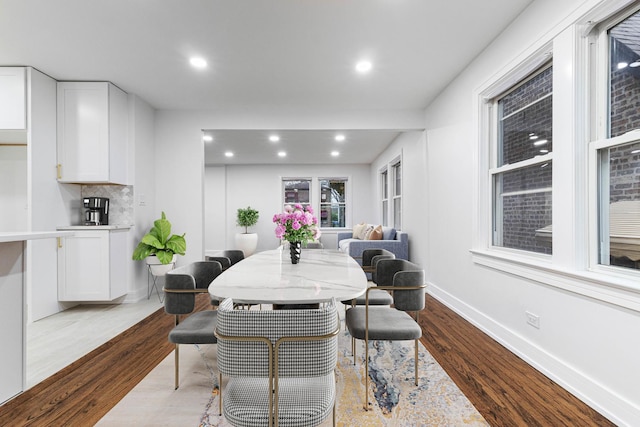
(59,242)
(59,170)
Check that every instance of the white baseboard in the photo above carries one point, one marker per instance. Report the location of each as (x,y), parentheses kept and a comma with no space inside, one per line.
(137,295)
(618,410)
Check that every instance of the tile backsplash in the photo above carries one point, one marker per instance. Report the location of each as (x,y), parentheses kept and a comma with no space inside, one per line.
(120,201)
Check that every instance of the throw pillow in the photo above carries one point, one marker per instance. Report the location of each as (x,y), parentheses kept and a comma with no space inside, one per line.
(358,230)
(388,233)
(375,234)
(365,232)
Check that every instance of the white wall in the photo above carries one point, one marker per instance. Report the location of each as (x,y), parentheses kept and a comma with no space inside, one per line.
(180,154)
(13,187)
(411,148)
(142,156)
(589,346)
(260,186)
(50,204)
(215,208)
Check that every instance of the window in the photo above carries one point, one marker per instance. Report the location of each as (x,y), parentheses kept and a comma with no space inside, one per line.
(296,191)
(521,172)
(384,196)
(397,195)
(333,202)
(618,150)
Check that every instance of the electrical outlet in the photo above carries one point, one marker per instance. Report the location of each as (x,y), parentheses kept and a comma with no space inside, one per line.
(533,319)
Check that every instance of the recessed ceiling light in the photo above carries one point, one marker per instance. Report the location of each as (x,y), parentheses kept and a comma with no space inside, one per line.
(541,142)
(635,152)
(198,62)
(335,153)
(363,66)
(533,136)
(228,154)
(207,138)
(544,151)
(274,138)
(622,65)
(339,137)
(282,154)
(635,63)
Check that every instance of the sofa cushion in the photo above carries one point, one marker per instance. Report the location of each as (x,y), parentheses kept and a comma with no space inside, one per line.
(343,244)
(358,230)
(388,233)
(375,234)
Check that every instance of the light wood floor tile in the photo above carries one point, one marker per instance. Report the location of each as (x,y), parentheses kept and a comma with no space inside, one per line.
(56,341)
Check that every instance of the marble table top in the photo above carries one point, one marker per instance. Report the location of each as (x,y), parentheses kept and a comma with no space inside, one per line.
(270,277)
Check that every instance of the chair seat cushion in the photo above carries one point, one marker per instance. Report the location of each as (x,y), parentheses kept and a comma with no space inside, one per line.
(376,297)
(198,328)
(302,401)
(384,324)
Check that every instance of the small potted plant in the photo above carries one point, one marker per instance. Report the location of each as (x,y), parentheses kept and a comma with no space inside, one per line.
(247,242)
(159,247)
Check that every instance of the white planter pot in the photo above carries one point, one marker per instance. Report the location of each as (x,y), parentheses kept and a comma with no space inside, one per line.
(157,268)
(247,243)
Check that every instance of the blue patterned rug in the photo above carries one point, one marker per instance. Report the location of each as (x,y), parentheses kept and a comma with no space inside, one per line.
(394,399)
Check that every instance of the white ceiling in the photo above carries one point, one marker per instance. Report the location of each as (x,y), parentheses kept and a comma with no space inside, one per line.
(262,54)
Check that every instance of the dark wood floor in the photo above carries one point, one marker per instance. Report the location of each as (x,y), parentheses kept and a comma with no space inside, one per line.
(505,390)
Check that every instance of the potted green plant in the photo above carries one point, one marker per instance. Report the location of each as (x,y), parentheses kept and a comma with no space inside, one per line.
(159,247)
(247,242)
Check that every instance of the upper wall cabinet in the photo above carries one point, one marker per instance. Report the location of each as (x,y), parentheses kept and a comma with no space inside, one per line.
(13,96)
(92,133)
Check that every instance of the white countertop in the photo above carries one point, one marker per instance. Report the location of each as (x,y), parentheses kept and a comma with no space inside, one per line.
(269,277)
(94,227)
(18,236)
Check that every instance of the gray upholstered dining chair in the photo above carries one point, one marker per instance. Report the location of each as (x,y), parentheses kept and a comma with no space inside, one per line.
(226,258)
(313,245)
(370,258)
(181,287)
(279,365)
(406,281)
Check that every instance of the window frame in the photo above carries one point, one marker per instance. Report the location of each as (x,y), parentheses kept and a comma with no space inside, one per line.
(384,195)
(346,203)
(598,139)
(496,172)
(396,196)
(575,227)
(283,190)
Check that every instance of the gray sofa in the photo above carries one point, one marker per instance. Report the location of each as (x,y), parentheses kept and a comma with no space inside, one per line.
(395,242)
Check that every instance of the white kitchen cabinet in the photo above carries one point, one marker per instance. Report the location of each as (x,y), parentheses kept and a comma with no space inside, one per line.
(91,265)
(92,133)
(13,98)
(12,317)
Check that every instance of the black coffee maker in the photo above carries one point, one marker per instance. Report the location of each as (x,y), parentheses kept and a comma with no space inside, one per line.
(96,210)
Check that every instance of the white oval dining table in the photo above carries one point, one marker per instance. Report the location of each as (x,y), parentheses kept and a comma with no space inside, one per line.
(269,277)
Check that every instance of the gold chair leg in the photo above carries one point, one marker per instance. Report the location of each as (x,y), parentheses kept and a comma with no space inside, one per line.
(353,349)
(177,366)
(334,413)
(416,355)
(366,375)
(219,394)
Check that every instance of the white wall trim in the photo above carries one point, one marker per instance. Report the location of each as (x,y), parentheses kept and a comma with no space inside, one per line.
(603,400)
(617,290)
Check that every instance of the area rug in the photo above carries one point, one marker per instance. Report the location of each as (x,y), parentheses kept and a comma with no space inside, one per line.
(394,398)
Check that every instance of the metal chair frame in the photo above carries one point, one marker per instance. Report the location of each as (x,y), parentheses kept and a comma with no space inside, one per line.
(366,339)
(273,349)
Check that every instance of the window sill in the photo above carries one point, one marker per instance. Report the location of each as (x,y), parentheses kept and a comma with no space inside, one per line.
(617,289)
